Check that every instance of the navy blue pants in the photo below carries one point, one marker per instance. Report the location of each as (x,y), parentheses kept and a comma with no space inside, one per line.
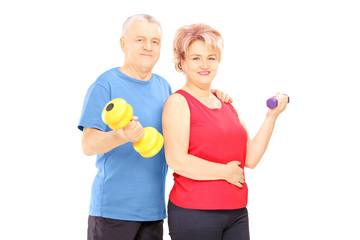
(190,224)
(111,229)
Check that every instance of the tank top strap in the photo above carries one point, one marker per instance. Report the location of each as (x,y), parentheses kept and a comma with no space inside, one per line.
(186,95)
(192,102)
(195,104)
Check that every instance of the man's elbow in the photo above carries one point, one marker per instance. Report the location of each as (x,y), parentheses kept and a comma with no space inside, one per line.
(87,149)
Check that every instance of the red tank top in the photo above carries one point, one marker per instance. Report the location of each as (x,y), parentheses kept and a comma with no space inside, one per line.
(216,135)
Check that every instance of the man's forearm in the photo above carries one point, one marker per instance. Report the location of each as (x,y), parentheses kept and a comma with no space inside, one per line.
(98,142)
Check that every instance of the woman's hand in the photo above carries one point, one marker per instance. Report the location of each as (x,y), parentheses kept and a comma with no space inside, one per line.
(235,174)
(282,103)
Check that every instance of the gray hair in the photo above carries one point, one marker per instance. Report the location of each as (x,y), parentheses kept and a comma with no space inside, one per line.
(136,17)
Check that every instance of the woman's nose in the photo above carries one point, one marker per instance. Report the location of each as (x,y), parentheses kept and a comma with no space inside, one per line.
(204,64)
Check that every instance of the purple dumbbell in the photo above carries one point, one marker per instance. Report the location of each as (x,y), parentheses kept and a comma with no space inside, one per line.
(273,102)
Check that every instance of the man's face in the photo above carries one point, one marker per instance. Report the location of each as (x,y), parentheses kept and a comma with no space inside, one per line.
(141,44)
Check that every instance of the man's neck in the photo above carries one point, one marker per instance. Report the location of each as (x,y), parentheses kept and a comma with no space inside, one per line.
(137,73)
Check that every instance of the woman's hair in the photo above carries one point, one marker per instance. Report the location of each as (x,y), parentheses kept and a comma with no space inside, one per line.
(136,17)
(186,35)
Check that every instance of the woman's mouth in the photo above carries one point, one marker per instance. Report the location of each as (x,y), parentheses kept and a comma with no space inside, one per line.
(204,73)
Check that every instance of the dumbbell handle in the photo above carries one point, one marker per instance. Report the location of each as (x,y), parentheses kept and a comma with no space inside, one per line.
(273,102)
(118,113)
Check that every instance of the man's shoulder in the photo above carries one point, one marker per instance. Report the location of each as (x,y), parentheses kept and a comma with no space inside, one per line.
(160,78)
(106,77)
(109,73)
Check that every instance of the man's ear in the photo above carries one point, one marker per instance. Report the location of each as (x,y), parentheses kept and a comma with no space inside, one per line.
(122,43)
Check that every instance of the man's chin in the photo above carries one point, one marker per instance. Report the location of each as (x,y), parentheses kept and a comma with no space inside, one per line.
(147,64)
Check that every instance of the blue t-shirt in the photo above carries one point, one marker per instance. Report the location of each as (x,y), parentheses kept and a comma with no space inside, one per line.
(127,186)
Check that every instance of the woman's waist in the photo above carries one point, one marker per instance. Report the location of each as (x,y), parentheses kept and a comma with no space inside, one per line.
(214,194)
(207,187)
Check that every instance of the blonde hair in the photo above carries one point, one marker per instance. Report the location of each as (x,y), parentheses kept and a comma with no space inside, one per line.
(186,35)
(136,17)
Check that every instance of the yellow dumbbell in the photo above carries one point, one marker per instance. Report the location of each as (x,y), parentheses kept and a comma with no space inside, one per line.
(118,113)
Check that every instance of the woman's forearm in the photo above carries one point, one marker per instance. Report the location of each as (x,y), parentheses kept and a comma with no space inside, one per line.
(198,169)
(258,145)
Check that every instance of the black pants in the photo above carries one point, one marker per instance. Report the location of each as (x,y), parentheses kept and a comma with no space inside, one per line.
(100,228)
(190,224)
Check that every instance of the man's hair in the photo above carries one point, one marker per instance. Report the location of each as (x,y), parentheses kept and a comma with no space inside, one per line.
(136,17)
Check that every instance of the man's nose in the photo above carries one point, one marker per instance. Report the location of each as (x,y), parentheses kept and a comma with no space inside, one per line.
(147,45)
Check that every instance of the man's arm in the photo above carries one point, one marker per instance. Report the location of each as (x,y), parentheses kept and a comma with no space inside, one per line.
(95,141)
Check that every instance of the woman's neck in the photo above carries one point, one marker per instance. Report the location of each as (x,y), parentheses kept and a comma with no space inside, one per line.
(203,95)
(196,91)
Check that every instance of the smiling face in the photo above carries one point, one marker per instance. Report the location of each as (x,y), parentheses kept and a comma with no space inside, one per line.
(200,64)
(141,45)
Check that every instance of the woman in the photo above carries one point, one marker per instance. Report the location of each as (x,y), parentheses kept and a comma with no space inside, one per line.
(204,137)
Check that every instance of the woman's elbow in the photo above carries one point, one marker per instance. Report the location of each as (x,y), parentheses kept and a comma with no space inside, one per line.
(174,166)
(250,165)
(251,162)
(252,159)
(173,163)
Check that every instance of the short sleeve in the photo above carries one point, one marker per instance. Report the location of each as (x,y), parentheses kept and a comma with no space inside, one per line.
(95,100)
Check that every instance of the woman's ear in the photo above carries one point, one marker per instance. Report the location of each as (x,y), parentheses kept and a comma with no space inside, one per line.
(181,64)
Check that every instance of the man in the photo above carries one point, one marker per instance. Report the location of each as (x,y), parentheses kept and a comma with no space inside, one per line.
(128,192)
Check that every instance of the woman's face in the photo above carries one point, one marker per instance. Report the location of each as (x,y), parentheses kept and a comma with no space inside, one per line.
(200,64)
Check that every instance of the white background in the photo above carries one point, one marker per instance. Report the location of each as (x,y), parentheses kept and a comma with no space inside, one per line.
(305,187)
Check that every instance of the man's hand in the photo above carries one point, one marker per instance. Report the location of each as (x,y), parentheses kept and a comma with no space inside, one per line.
(133,131)
(224,97)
